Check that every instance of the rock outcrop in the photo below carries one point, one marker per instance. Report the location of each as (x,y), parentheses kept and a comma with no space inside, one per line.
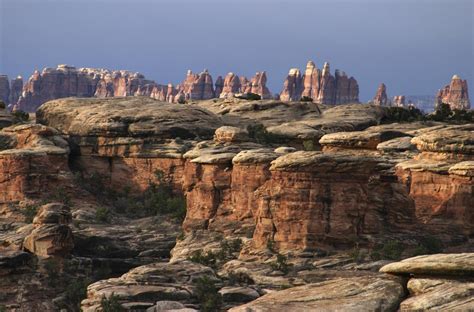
(196,87)
(258,85)
(231,86)
(398,100)
(439,282)
(66,81)
(320,86)
(373,293)
(380,97)
(51,235)
(454,94)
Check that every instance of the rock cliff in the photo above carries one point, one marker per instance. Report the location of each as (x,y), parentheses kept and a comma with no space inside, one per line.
(454,94)
(320,86)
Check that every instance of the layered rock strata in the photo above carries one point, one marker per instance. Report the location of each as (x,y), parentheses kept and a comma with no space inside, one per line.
(320,86)
(454,94)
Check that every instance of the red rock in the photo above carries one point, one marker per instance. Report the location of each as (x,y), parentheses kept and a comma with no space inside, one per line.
(322,87)
(455,94)
(219,85)
(196,87)
(231,86)
(259,85)
(381,96)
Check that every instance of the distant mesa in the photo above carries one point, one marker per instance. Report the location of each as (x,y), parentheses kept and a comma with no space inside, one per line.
(320,86)
(454,94)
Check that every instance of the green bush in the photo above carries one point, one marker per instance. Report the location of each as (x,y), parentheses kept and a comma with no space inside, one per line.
(30,212)
(20,116)
(391,250)
(111,304)
(444,113)
(102,214)
(259,133)
(2,106)
(250,96)
(308,145)
(207,294)
(281,264)
(401,114)
(208,259)
(76,291)
(428,245)
(214,259)
(306,99)
(60,195)
(271,245)
(52,270)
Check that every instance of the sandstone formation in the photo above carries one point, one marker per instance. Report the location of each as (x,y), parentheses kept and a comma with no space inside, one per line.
(231,86)
(345,294)
(454,94)
(196,87)
(258,85)
(380,97)
(66,81)
(4,89)
(219,85)
(438,282)
(51,235)
(320,86)
(398,100)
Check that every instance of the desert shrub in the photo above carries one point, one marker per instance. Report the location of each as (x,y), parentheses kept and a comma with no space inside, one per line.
(3,308)
(51,267)
(30,212)
(259,133)
(444,113)
(2,106)
(102,214)
(391,250)
(239,278)
(207,294)
(76,291)
(182,101)
(401,114)
(308,145)
(428,245)
(271,245)
(250,96)
(281,264)
(60,195)
(208,259)
(214,259)
(111,304)
(19,116)
(306,99)
(356,254)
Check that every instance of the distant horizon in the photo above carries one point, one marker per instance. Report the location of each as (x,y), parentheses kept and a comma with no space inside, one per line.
(414,48)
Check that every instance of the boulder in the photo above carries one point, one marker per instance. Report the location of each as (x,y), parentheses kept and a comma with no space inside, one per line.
(369,293)
(228,134)
(434,265)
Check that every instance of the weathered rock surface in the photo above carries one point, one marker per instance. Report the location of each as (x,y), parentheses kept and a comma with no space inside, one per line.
(345,294)
(461,265)
(380,97)
(51,235)
(230,134)
(145,285)
(320,86)
(231,86)
(196,87)
(454,94)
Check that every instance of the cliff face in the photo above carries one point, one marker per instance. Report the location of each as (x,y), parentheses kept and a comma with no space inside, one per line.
(320,86)
(454,94)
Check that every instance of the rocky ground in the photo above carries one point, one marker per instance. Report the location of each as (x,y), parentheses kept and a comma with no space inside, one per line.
(134,204)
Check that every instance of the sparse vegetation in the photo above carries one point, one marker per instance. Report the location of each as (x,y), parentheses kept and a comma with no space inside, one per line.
(281,264)
(390,250)
(214,258)
(111,304)
(20,116)
(428,245)
(306,99)
(30,212)
(444,113)
(60,195)
(356,254)
(2,106)
(102,214)
(52,270)
(207,294)
(401,114)
(239,278)
(76,291)
(250,96)
(271,245)
(309,145)
(259,133)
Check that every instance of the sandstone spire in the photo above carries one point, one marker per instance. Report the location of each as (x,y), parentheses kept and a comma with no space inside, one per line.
(455,94)
(381,96)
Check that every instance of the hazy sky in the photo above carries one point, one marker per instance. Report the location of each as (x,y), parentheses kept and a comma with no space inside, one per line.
(413,46)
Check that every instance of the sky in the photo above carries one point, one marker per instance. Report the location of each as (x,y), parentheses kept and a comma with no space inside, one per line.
(413,46)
